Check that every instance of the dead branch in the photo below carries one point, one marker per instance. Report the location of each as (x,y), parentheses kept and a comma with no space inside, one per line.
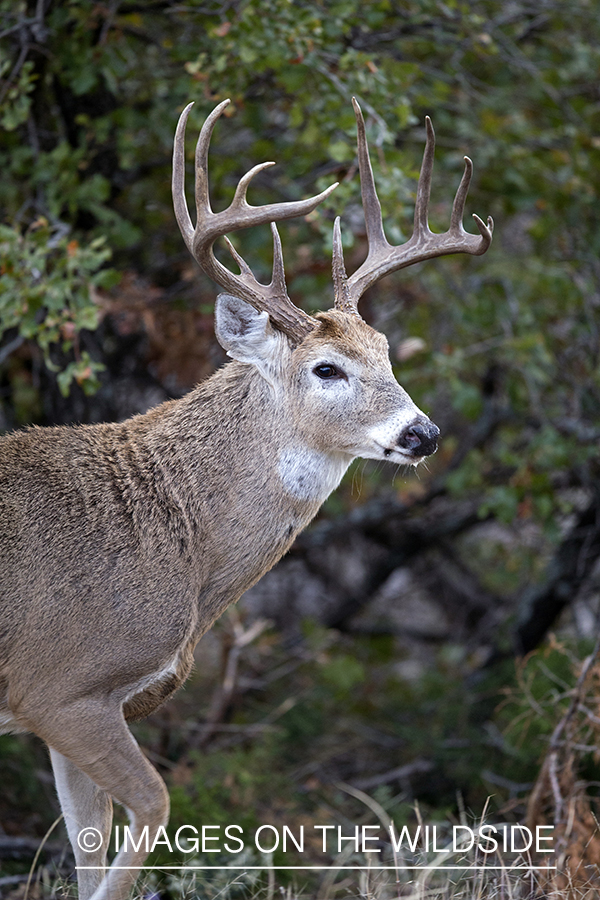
(571,565)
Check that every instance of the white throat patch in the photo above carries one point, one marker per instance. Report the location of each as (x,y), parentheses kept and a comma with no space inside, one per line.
(311,474)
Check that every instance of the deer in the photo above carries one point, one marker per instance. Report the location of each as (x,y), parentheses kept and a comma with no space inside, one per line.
(122,543)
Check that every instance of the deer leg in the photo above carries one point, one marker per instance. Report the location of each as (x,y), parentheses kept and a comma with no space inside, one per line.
(96,740)
(84,806)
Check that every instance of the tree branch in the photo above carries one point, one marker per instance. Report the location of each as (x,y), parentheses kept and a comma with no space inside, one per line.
(571,565)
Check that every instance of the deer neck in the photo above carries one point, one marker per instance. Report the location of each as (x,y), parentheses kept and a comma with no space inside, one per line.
(249,445)
(235,468)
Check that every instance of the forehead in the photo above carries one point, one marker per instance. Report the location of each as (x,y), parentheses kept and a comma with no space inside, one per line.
(348,334)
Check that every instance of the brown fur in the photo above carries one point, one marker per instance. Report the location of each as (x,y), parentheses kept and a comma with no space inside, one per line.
(121,544)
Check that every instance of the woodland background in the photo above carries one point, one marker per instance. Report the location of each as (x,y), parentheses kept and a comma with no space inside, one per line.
(421,649)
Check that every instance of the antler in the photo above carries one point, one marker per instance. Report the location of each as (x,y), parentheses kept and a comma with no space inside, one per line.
(382,257)
(200,239)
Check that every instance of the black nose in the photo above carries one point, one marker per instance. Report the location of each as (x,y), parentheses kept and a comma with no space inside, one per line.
(420,439)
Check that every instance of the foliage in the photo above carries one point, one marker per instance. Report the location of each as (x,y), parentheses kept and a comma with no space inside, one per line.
(46,290)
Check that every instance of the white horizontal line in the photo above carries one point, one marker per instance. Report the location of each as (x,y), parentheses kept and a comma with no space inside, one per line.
(332,866)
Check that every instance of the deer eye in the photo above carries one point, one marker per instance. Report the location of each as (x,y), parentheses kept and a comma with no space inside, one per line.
(326,370)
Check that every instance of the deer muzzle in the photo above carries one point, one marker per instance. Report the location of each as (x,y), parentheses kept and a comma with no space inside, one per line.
(420,438)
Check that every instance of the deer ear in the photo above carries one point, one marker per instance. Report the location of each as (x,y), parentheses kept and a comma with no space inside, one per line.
(244,332)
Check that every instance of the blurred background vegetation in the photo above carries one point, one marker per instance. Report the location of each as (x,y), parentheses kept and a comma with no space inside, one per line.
(395,658)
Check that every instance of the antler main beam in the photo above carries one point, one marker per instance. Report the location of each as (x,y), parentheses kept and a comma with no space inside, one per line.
(382,257)
(209,226)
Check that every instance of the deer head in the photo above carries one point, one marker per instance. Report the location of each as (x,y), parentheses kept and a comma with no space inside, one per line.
(340,364)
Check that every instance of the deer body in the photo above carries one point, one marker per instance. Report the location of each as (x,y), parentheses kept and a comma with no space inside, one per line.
(121,544)
(179,510)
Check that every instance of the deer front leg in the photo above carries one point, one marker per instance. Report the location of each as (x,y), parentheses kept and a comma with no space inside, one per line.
(84,806)
(90,737)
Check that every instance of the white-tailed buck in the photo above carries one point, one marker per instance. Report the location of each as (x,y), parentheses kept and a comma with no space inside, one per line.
(121,544)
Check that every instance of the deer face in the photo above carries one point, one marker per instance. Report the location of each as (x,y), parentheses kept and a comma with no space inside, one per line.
(336,387)
(348,396)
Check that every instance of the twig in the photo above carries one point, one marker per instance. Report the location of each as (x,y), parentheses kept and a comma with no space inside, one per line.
(576,698)
(9,880)
(18,26)
(553,777)
(10,347)
(37,855)
(550,767)
(225,691)
(400,772)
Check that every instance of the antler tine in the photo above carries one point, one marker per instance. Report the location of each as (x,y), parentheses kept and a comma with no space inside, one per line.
(278,277)
(382,257)
(239,199)
(340,279)
(373,220)
(244,267)
(371,204)
(178,181)
(485,230)
(458,207)
(421,225)
(210,225)
(201,162)
(458,211)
